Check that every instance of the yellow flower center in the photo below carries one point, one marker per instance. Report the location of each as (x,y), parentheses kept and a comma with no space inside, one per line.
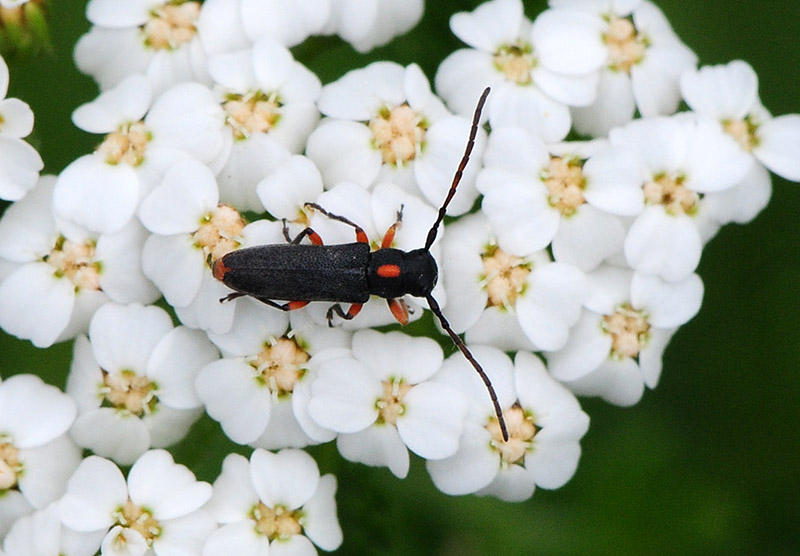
(516,62)
(671,192)
(10,466)
(390,405)
(744,132)
(128,392)
(75,261)
(140,520)
(521,430)
(505,276)
(280,365)
(625,45)
(398,134)
(171,25)
(251,113)
(126,145)
(565,183)
(278,522)
(219,233)
(629,331)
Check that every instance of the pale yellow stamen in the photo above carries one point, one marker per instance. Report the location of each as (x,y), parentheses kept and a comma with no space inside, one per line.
(251,113)
(565,184)
(278,522)
(129,392)
(281,365)
(171,25)
(390,405)
(629,331)
(10,466)
(515,62)
(521,430)
(505,276)
(219,233)
(126,145)
(140,520)
(625,45)
(672,194)
(75,261)
(398,134)
(743,131)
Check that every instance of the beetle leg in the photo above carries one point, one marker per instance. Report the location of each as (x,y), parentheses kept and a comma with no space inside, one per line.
(388,237)
(361,235)
(288,306)
(313,236)
(399,310)
(354,309)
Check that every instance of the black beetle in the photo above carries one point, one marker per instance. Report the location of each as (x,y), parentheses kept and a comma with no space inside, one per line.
(350,272)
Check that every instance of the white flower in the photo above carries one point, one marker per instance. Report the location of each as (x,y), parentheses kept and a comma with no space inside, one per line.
(385,124)
(518,302)
(643,61)
(101,191)
(532,86)
(154,38)
(545,425)
(375,211)
(615,349)
(16,117)
(36,456)
(682,160)
(269,101)
(381,402)
(284,192)
(260,389)
(367,25)
(134,382)
(41,534)
(61,272)
(534,198)
(157,508)
(275,503)
(728,95)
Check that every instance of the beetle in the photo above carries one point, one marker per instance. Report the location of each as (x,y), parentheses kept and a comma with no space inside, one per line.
(349,273)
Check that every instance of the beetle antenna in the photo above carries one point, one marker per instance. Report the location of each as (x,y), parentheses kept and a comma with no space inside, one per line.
(460,171)
(498,411)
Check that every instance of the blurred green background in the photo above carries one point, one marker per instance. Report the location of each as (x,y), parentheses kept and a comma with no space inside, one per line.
(708,463)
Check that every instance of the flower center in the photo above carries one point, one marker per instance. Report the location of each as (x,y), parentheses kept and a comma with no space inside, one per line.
(128,144)
(505,276)
(521,430)
(743,131)
(629,331)
(390,406)
(398,133)
(565,183)
(626,47)
(251,113)
(138,519)
(10,466)
(278,522)
(219,233)
(672,193)
(74,261)
(128,392)
(171,25)
(515,62)
(281,365)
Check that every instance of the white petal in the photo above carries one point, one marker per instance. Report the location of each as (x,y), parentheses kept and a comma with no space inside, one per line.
(47,470)
(33,413)
(288,478)
(433,421)
(522,216)
(614,178)
(168,489)
(490,25)
(714,161)
(233,397)
(344,395)
(271,64)
(27,228)
(587,347)
(379,445)
(779,146)
(553,464)
(660,142)
(20,167)
(361,94)
(655,78)
(236,538)
(186,534)
(234,495)
(723,92)
(343,151)
(294,183)
(36,305)
(126,103)
(322,527)
(504,146)
(175,266)
(17,118)
(396,355)
(99,196)
(529,108)
(123,541)
(472,468)
(175,362)
(233,70)
(106,432)
(254,322)
(663,244)
(617,382)
(587,238)
(124,336)
(94,491)
(248,162)
(614,105)
(569,41)
(106,13)
(668,304)
(512,484)
(650,356)
(742,202)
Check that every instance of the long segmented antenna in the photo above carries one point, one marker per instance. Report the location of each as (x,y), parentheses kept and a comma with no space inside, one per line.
(473,132)
(432,303)
(498,411)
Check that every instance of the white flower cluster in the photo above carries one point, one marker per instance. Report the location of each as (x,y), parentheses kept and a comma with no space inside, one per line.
(580,260)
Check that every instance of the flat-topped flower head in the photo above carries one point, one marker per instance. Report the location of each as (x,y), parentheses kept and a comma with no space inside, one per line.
(545,424)
(138,395)
(155,38)
(384,124)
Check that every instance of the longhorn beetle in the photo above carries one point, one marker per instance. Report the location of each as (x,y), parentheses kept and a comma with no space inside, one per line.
(350,272)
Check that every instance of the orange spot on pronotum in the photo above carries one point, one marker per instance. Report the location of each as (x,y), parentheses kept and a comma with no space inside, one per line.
(388,271)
